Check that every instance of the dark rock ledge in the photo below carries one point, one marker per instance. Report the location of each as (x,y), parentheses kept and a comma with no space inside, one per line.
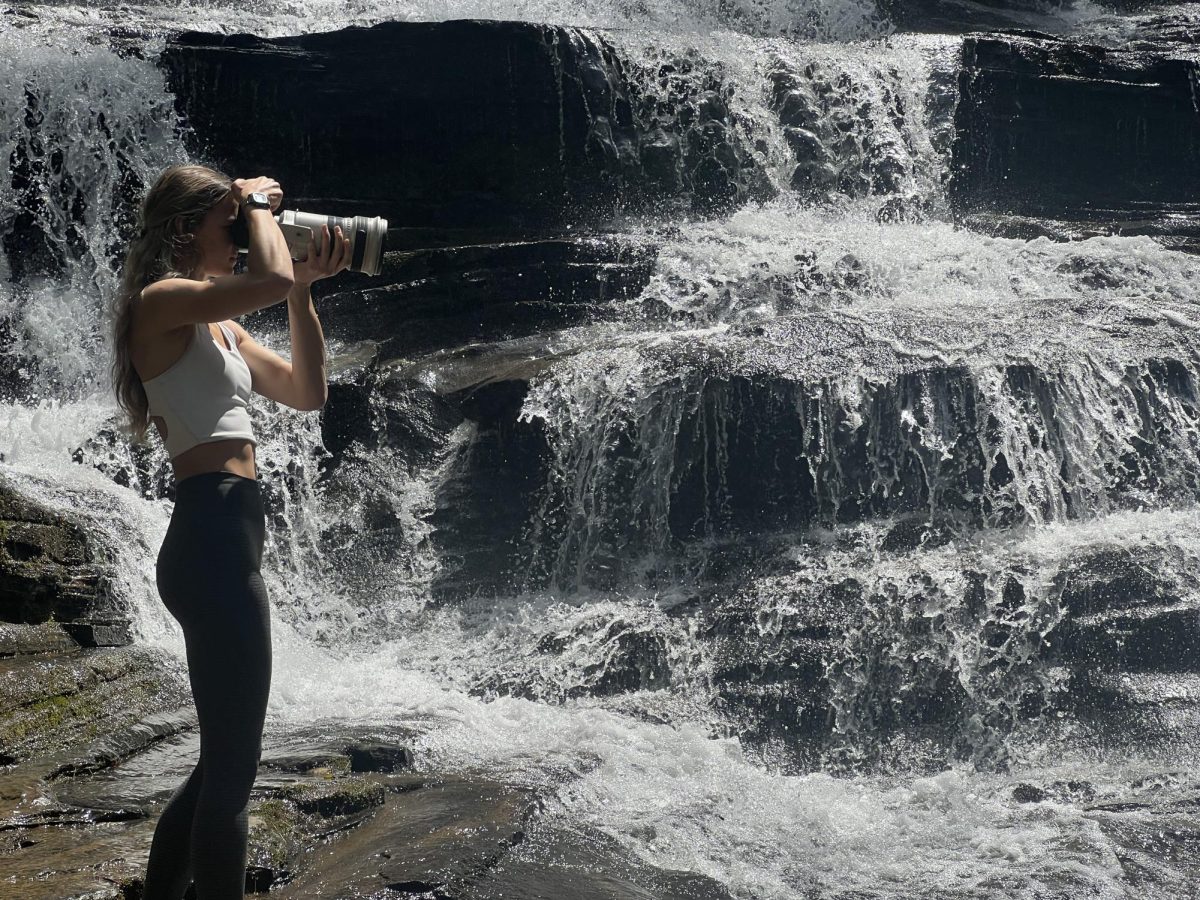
(505,128)
(54,589)
(94,739)
(1070,140)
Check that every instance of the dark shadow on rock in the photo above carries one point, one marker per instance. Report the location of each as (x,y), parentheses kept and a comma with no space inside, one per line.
(507,127)
(1066,139)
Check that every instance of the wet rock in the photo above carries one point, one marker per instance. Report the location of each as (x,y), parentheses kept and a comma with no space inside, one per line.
(1028,793)
(321,752)
(1150,825)
(52,570)
(1153,639)
(386,408)
(1170,23)
(327,800)
(768,647)
(956,16)
(88,859)
(90,830)
(57,703)
(695,158)
(662,158)
(1050,129)
(376,757)
(902,209)
(806,146)
(795,105)
(1072,791)
(120,744)
(815,179)
(561,114)
(846,128)
(47,637)
(1121,712)
(448,297)
(435,837)
(142,467)
(275,843)
(306,762)
(768,451)
(1129,611)
(1177,231)
(598,655)
(584,865)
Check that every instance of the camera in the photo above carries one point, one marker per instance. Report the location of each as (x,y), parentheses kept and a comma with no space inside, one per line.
(366,236)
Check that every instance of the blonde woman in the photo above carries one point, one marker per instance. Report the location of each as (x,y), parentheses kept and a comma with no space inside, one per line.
(181,361)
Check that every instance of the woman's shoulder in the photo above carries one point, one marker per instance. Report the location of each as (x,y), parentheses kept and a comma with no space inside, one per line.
(142,314)
(170,283)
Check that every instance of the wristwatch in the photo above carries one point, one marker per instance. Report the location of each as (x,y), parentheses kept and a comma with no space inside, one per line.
(256,200)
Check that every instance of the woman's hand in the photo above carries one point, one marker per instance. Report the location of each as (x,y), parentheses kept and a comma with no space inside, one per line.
(243,187)
(332,256)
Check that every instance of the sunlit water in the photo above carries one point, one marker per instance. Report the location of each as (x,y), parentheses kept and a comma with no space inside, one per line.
(824,299)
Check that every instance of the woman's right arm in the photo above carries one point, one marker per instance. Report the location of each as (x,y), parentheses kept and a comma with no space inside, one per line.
(174,302)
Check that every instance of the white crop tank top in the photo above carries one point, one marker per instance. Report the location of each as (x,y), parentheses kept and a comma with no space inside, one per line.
(204,395)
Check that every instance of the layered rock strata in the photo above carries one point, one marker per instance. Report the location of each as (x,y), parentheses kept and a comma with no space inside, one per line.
(1069,140)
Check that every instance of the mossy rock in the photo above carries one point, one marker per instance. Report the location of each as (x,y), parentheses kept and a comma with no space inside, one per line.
(55,569)
(84,700)
(335,798)
(285,824)
(313,764)
(24,640)
(274,843)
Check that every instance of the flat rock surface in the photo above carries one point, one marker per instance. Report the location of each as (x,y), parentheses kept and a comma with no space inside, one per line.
(431,837)
(564,863)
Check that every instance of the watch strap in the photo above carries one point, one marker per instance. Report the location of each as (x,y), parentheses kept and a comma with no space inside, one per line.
(257,200)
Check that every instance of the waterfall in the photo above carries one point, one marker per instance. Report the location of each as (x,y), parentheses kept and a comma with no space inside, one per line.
(793,567)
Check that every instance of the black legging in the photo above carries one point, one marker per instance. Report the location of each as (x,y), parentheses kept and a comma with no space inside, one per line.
(208,577)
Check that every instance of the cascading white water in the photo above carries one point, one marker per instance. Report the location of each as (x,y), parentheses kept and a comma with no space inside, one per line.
(879,298)
(914,295)
(828,19)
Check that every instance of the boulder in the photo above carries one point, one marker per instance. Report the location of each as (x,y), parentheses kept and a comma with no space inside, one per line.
(374,756)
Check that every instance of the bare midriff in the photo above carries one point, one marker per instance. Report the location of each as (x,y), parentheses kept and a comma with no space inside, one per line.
(234,455)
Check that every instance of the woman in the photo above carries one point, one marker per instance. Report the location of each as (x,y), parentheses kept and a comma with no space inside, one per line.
(193,380)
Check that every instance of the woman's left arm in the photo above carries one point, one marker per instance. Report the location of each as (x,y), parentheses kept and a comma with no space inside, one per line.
(302,383)
(309,376)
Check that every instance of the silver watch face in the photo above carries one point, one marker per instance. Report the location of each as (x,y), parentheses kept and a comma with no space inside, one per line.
(257,199)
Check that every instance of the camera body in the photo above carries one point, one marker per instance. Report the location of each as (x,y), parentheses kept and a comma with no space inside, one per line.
(366,236)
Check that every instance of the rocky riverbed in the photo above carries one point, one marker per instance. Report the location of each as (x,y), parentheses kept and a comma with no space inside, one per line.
(766,465)
(96,737)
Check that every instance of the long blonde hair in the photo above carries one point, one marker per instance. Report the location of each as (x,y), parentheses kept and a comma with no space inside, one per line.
(163,247)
